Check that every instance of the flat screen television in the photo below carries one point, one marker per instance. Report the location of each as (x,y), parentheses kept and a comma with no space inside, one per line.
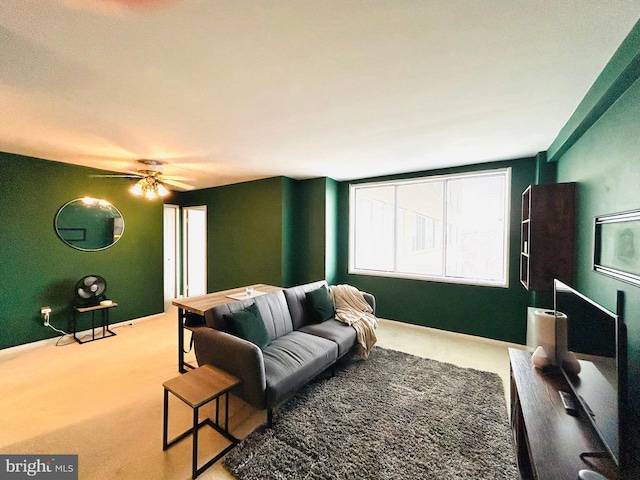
(595,338)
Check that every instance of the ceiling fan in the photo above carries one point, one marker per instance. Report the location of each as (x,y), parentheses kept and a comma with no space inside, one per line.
(151,183)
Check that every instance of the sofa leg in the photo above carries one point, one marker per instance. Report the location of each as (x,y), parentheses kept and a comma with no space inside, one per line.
(269,417)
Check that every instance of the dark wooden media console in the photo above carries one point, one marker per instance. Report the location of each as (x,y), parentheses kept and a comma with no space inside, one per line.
(548,441)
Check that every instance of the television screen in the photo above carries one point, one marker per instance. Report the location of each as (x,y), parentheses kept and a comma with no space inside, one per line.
(591,353)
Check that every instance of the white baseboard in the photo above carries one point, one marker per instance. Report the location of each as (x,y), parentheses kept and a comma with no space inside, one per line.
(456,334)
(10,352)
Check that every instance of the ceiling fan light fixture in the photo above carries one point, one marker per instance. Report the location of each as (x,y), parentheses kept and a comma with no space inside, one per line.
(149,188)
(137,188)
(150,182)
(149,194)
(162,191)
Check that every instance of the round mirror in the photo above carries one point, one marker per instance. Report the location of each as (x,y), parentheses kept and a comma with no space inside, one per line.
(89,224)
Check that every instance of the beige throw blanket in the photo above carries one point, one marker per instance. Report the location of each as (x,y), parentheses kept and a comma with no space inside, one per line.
(353,309)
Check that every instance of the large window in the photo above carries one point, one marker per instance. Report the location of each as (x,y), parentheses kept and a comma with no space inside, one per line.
(451,228)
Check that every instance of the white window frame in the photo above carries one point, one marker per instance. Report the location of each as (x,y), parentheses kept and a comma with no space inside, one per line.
(437,278)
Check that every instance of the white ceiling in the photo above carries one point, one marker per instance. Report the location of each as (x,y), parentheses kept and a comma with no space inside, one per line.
(227,91)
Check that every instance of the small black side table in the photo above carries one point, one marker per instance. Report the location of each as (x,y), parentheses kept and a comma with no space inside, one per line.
(104,309)
(197,388)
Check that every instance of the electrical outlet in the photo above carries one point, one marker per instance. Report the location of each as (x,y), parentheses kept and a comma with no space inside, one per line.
(45,311)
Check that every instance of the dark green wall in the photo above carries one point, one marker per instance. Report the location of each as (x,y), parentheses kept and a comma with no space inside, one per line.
(38,269)
(309,256)
(277,231)
(606,164)
(600,150)
(288,231)
(498,313)
(246,224)
(315,230)
(332,225)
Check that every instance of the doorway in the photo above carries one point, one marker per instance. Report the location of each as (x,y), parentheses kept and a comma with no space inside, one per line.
(194,227)
(171,251)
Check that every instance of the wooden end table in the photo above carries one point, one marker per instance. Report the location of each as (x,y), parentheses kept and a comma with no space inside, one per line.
(196,388)
(104,310)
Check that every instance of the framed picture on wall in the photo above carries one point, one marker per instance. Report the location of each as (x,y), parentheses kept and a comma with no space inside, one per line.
(617,246)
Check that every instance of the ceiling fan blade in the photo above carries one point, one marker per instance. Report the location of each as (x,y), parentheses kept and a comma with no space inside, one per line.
(173,178)
(152,169)
(183,186)
(128,175)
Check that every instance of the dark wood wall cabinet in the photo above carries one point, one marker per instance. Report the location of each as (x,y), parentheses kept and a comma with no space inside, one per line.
(547,440)
(547,235)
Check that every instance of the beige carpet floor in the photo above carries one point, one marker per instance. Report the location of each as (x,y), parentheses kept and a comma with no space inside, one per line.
(103,400)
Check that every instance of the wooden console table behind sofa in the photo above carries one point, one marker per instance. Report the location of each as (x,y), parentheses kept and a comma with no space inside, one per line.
(196,306)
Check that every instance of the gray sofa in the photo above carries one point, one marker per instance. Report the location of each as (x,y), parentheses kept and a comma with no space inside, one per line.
(300,348)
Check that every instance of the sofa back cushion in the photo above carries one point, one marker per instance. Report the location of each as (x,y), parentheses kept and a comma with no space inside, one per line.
(299,307)
(320,304)
(273,310)
(248,324)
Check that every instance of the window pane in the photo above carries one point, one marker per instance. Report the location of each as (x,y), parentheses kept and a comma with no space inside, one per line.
(476,227)
(420,221)
(449,227)
(374,228)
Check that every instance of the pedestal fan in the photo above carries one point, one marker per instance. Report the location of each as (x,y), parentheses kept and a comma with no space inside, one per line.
(90,290)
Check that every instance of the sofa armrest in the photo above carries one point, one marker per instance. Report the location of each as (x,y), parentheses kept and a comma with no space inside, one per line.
(237,357)
(371,300)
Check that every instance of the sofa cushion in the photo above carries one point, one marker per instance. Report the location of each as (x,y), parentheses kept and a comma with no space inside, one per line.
(320,304)
(294,359)
(342,334)
(248,324)
(298,304)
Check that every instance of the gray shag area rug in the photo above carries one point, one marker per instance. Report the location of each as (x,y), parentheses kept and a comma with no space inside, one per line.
(393,416)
